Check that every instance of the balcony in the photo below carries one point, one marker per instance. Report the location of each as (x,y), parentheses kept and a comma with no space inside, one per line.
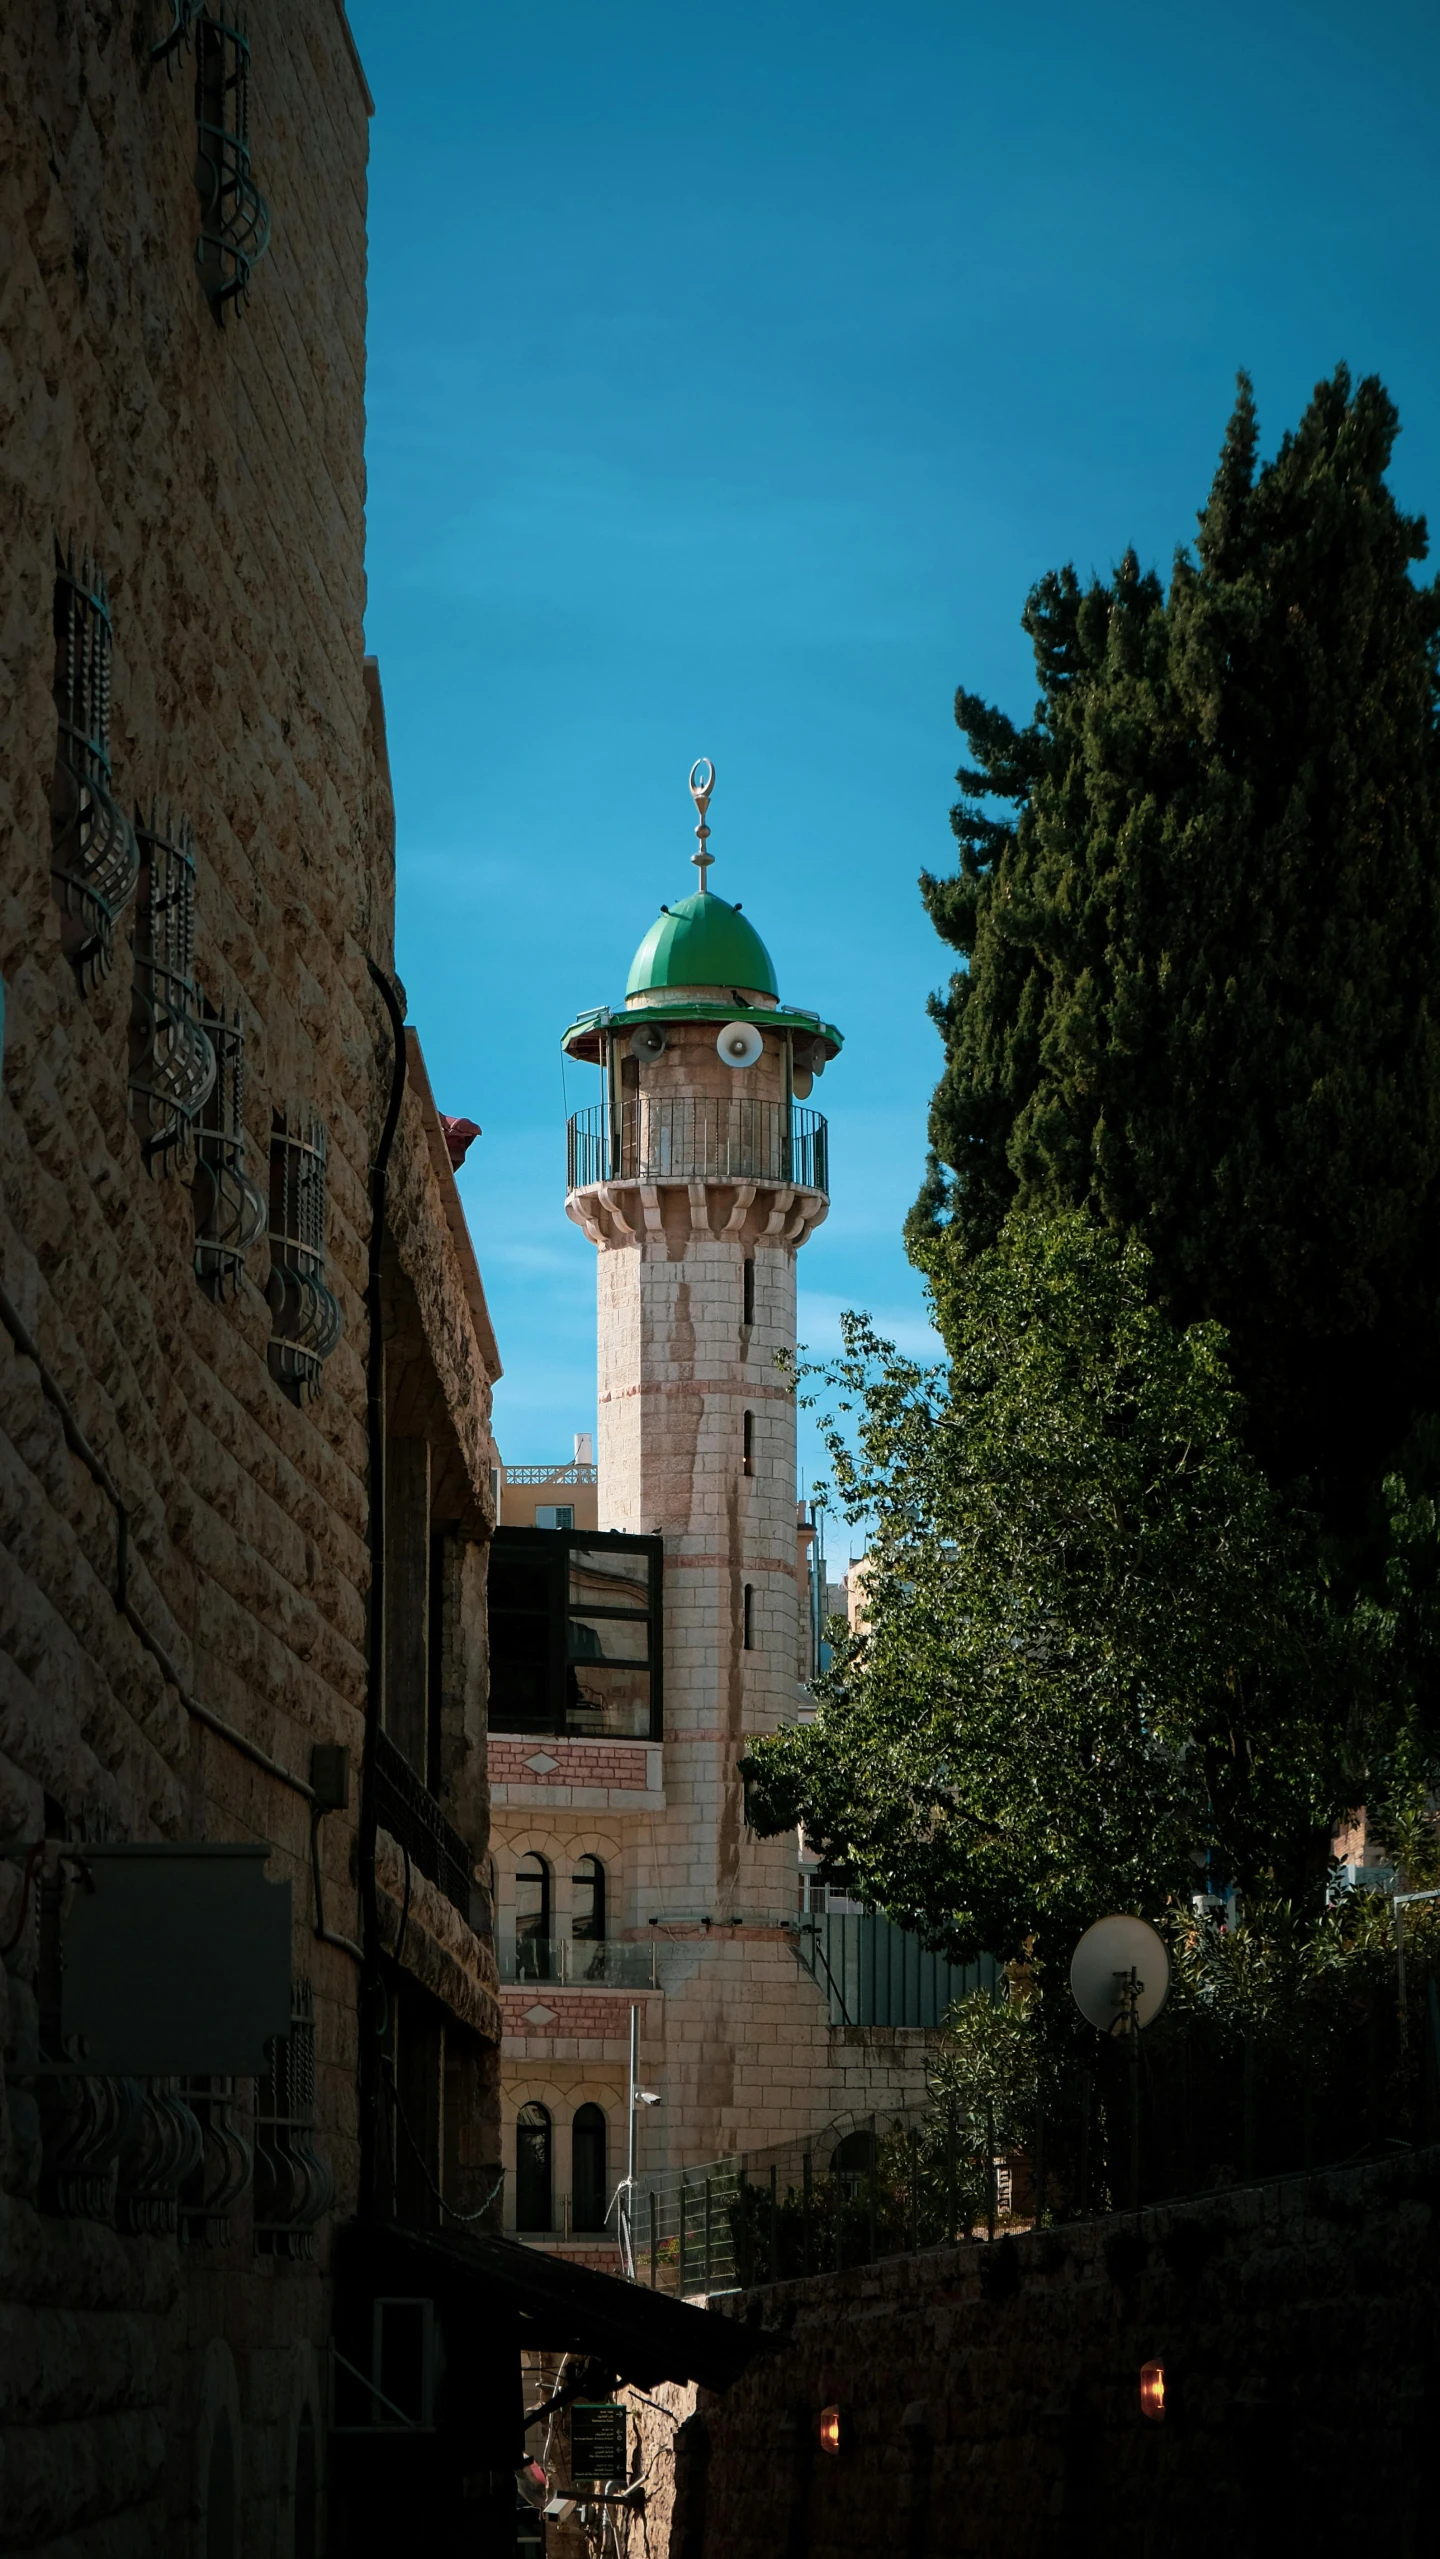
(674,1139)
(578,1963)
(407,1809)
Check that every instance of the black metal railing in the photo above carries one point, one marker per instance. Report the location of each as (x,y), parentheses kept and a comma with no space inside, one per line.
(407,1809)
(679,1138)
(1202,2105)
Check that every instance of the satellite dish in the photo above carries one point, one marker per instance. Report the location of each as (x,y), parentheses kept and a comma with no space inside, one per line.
(1120,1966)
(739,1044)
(647,1042)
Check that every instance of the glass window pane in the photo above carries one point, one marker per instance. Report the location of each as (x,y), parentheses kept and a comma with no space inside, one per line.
(587,1907)
(613,1578)
(532,2168)
(605,1697)
(587,2179)
(609,1639)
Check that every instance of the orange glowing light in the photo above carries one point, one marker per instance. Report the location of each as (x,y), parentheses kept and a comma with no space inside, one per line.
(831,2430)
(1152,2392)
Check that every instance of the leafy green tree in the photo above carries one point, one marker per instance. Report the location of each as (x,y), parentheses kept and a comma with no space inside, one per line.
(1098,1652)
(1202,943)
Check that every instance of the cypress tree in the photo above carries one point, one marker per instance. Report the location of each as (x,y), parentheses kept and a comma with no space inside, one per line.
(1203,948)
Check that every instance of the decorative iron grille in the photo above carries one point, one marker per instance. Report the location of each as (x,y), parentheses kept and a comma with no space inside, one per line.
(679,1138)
(234,217)
(305,1321)
(173,1069)
(221,2174)
(229,1211)
(293,2185)
(94,859)
(407,1809)
(165,2151)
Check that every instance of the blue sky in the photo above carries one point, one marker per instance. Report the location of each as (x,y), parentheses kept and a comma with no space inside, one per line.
(733,374)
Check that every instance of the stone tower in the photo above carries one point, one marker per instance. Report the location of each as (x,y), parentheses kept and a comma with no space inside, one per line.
(698,1178)
(616,1736)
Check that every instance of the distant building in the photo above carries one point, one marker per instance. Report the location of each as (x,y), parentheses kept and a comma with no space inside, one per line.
(636,1648)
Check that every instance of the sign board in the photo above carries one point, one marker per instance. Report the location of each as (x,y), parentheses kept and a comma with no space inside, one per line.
(173,1959)
(599,2442)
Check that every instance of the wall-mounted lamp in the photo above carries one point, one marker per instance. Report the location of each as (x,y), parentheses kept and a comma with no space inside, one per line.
(834,2430)
(1152,2392)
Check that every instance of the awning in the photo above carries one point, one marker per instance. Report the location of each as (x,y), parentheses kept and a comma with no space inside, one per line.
(642,2335)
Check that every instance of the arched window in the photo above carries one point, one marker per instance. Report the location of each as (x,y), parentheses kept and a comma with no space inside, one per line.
(532,1919)
(588,1909)
(307,2488)
(853,2159)
(587,2169)
(747,1442)
(220,2534)
(532,2168)
(587,1917)
(747,1636)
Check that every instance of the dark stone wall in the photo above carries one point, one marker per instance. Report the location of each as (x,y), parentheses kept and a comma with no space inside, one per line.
(992,2393)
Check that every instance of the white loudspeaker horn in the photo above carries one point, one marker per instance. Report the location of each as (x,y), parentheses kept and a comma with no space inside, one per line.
(647,1043)
(1120,1968)
(740,1044)
(802,1083)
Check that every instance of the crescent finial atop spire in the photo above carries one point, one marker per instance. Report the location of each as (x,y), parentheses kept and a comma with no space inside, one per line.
(702,783)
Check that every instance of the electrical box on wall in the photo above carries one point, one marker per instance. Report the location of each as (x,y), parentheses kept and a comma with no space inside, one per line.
(173,1959)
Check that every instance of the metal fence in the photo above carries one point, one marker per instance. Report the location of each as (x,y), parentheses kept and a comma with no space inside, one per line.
(1200,2103)
(875,1974)
(678,1138)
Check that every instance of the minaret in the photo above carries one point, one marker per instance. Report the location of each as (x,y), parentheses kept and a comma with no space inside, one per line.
(698,1177)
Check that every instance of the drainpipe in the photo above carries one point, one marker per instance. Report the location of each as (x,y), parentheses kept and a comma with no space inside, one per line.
(372,1989)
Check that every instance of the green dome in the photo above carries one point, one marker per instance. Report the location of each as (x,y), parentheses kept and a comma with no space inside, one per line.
(702,942)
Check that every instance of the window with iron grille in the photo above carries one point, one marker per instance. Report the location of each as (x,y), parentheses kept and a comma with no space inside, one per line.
(305,1321)
(94,860)
(173,1064)
(229,1211)
(234,217)
(293,2186)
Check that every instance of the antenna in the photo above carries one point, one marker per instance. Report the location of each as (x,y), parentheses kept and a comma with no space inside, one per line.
(702,783)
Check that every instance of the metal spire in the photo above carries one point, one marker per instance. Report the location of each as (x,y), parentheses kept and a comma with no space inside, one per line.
(702,783)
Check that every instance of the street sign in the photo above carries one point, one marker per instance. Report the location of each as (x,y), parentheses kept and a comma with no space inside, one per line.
(599,2441)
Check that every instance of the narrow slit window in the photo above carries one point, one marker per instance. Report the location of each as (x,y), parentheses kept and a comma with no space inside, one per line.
(587,2168)
(747,1443)
(747,1636)
(533,1956)
(747,1313)
(534,2206)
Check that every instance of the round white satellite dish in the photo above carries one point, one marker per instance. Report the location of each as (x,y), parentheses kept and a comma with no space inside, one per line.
(1101,1971)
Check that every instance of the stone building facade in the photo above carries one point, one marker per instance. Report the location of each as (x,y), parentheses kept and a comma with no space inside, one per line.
(698,1177)
(196,918)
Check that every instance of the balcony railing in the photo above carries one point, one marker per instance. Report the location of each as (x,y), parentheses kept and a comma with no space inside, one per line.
(579,1963)
(407,1809)
(674,1138)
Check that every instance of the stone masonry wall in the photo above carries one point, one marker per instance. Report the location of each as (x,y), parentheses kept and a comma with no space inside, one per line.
(217,475)
(990,2394)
